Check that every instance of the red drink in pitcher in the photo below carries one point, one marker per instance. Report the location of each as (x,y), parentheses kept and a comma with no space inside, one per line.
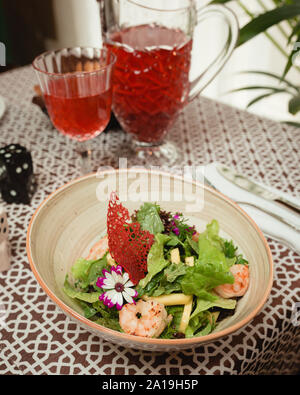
(76,113)
(151,78)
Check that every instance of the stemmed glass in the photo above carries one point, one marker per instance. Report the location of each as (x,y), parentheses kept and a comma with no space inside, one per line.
(77,87)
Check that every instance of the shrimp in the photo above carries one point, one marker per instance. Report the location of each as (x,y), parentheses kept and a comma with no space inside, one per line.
(147,319)
(99,249)
(240,285)
(195,237)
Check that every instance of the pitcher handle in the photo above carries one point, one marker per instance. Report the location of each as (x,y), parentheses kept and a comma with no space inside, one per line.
(200,82)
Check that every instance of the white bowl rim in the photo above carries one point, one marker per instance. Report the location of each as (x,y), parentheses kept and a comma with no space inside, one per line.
(137,339)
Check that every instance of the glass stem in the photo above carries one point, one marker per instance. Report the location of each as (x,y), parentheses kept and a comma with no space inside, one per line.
(84,150)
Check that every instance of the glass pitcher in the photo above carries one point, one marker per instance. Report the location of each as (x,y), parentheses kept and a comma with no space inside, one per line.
(153,41)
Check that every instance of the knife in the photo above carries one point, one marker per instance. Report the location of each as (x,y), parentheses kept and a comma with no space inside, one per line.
(253,187)
(288,234)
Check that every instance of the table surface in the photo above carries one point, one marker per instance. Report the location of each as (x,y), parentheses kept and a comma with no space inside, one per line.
(35,335)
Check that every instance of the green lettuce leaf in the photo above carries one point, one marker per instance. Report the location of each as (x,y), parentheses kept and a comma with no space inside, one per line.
(212,234)
(202,321)
(226,247)
(149,219)
(96,271)
(211,268)
(165,288)
(86,272)
(203,277)
(151,286)
(89,297)
(173,271)
(203,305)
(211,246)
(212,229)
(199,326)
(159,286)
(80,271)
(209,253)
(156,261)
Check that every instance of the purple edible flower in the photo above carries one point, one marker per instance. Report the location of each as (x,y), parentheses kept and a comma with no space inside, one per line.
(118,288)
(176,231)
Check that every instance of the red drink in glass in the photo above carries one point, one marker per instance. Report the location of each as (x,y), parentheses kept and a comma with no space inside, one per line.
(79,115)
(77,87)
(151,78)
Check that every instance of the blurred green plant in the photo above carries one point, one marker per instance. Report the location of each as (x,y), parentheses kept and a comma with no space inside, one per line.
(283,11)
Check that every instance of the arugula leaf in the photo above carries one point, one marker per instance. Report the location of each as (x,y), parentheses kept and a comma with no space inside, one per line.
(156,261)
(229,249)
(241,260)
(149,219)
(184,246)
(193,244)
(88,309)
(105,311)
(174,241)
(108,317)
(173,327)
(111,323)
(165,282)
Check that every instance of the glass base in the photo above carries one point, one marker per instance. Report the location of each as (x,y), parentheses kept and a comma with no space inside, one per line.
(144,154)
(83,149)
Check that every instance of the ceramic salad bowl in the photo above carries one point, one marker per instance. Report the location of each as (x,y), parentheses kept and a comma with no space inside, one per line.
(71,220)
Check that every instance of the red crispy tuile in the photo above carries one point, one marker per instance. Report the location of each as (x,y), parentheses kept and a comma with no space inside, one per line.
(129,245)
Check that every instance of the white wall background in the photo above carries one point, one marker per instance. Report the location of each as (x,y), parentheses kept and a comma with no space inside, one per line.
(78,23)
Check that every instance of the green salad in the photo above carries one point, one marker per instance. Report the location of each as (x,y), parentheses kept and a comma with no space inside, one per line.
(193,280)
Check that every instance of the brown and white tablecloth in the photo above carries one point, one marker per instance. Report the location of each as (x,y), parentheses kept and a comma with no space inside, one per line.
(37,338)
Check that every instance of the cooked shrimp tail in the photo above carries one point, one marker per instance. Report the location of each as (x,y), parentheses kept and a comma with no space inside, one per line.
(147,319)
(98,250)
(241,282)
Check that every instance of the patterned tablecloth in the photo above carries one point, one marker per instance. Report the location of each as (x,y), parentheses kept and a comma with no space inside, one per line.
(37,338)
